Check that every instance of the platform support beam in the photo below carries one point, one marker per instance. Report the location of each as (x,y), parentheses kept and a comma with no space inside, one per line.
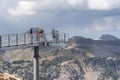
(36,62)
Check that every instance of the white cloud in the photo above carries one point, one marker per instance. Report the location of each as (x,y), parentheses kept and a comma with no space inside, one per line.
(23,8)
(104,24)
(103,4)
(74,2)
(107,24)
(57,4)
(30,7)
(98,4)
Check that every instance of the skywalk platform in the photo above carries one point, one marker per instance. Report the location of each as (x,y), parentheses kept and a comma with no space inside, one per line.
(14,41)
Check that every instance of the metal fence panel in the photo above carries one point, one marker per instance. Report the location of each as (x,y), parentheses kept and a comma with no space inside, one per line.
(13,40)
(4,40)
(27,38)
(21,39)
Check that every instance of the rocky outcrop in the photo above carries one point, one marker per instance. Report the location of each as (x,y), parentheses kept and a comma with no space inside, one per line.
(61,65)
(107,68)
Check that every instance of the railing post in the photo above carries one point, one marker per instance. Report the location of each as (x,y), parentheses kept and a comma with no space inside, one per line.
(31,38)
(8,40)
(36,62)
(0,41)
(64,38)
(16,39)
(24,38)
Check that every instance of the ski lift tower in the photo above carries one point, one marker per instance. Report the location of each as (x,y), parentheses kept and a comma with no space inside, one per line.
(33,39)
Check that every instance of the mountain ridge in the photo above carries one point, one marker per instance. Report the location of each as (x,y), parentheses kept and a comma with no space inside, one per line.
(99,48)
(108,37)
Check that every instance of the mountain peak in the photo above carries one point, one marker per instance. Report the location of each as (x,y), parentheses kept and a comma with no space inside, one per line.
(108,37)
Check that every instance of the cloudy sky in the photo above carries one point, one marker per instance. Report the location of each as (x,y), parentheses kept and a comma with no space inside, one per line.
(88,18)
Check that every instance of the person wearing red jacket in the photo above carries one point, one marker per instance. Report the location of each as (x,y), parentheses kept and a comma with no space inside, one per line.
(37,34)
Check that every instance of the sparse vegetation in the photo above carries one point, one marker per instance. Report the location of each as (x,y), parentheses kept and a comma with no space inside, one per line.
(74,63)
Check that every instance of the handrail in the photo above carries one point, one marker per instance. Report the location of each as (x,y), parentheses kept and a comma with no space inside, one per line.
(27,39)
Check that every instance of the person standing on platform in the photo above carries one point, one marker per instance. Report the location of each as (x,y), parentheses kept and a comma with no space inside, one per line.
(37,34)
(57,36)
(42,37)
(64,38)
(53,34)
(31,36)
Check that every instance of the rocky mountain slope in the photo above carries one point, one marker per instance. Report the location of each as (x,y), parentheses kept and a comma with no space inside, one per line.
(67,64)
(82,59)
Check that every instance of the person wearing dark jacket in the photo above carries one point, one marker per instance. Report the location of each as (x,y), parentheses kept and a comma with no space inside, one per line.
(31,36)
(42,37)
(53,34)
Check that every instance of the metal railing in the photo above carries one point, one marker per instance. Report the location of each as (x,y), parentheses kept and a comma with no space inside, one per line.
(27,38)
